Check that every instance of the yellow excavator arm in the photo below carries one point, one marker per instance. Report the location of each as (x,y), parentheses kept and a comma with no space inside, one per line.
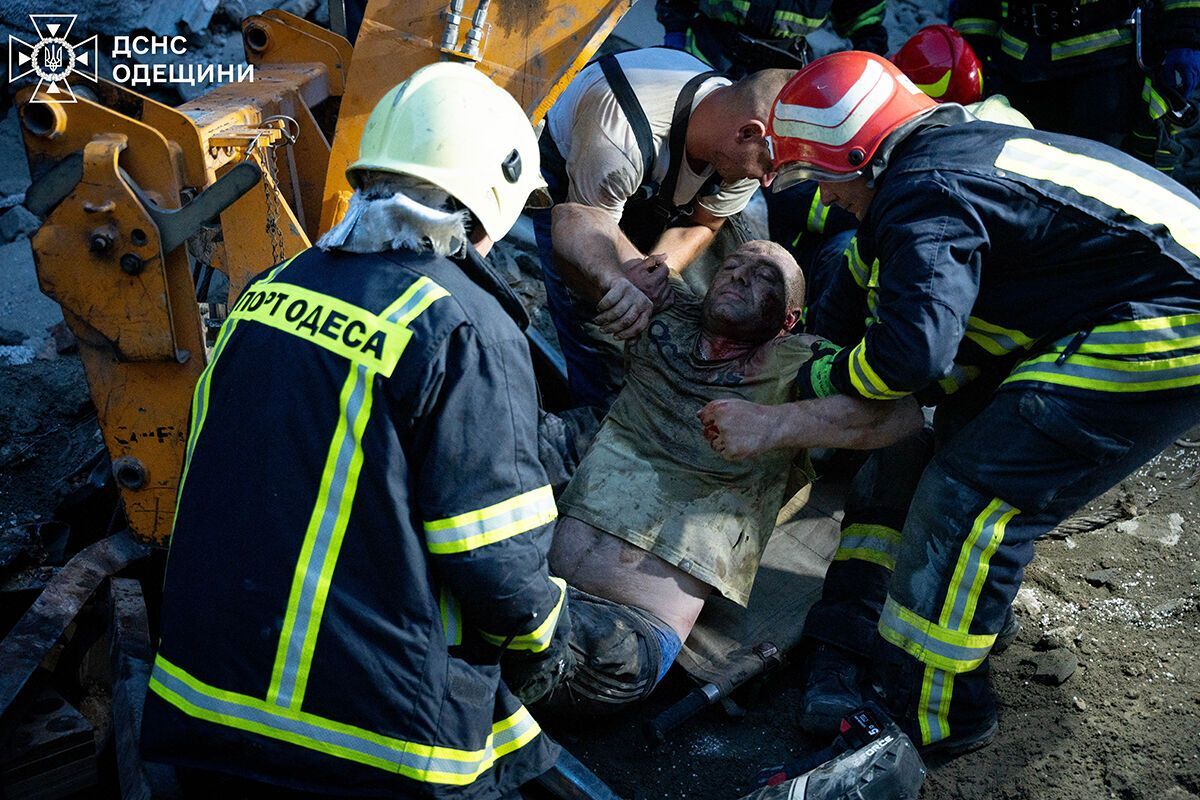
(138,199)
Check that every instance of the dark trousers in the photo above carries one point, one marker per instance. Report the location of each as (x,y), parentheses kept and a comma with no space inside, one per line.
(1007,476)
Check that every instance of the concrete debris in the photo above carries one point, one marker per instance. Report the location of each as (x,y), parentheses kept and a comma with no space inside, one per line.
(11,337)
(1053,667)
(1065,637)
(1103,577)
(17,223)
(1079,703)
(1154,528)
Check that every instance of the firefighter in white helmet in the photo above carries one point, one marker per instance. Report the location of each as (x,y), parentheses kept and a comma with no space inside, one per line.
(363,521)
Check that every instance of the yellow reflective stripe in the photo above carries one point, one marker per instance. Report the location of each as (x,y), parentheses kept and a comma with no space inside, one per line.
(859,269)
(322,543)
(330,515)
(1091,43)
(1108,184)
(422,762)
(977,26)
(872,16)
(540,637)
(959,377)
(451,613)
(810,23)
(930,643)
(996,339)
(1110,374)
(818,212)
(494,523)
(1142,336)
(1012,46)
(1177,5)
(874,543)
(864,378)
(200,397)
(937,89)
(970,571)
(1155,105)
(329,322)
(937,687)
(413,302)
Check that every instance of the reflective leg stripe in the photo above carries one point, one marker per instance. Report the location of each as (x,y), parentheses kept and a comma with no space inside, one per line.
(539,638)
(1012,46)
(1091,43)
(494,523)
(937,687)
(970,573)
(866,381)
(331,513)
(1110,374)
(322,542)
(422,762)
(1177,5)
(996,339)
(930,643)
(1139,197)
(203,385)
(875,543)
(977,26)
(451,613)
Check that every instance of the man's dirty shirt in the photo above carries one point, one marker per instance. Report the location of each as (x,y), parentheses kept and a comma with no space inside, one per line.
(652,479)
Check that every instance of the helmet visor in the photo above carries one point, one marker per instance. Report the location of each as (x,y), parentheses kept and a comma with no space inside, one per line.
(798,172)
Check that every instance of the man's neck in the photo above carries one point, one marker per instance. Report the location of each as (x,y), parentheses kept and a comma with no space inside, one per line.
(716,347)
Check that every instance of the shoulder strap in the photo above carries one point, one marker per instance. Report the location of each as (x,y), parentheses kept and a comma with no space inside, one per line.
(677,143)
(628,102)
(636,115)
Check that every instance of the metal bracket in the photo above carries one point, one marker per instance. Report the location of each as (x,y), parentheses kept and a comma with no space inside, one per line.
(176,227)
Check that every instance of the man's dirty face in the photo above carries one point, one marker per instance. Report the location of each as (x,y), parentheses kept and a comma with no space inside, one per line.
(748,296)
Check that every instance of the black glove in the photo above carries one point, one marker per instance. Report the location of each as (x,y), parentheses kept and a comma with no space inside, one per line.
(532,676)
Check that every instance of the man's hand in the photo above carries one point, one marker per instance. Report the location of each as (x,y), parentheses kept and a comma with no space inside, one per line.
(740,430)
(652,275)
(624,311)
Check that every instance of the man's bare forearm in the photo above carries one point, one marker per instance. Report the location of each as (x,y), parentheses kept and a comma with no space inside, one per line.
(847,423)
(589,248)
(682,245)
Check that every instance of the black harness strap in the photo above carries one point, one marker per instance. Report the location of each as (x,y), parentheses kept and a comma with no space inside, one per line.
(662,196)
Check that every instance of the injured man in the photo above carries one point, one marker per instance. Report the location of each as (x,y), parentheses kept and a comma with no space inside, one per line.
(655,519)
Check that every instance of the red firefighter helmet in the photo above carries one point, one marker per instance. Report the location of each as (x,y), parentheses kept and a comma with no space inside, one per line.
(942,65)
(831,117)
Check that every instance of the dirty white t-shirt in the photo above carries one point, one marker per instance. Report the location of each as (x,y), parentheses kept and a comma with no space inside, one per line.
(603,161)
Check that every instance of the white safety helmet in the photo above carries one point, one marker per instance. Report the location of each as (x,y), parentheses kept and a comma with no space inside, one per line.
(450,125)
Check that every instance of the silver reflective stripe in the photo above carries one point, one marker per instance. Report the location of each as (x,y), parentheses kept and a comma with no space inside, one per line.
(307,613)
(1149,202)
(1085,372)
(964,657)
(342,740)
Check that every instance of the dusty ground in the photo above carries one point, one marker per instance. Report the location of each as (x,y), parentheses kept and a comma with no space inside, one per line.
(1122,726)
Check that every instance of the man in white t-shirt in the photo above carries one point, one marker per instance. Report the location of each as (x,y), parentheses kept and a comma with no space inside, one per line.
(669,151)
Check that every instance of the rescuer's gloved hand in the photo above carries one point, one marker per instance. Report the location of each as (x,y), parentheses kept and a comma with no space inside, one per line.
(676,40)
(813,379)
(532,676)
(1180,71)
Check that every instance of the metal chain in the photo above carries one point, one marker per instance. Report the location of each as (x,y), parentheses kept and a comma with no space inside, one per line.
(267,157)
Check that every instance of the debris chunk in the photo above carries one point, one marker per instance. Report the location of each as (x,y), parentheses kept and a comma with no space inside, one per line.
(1054,667)
(1103,577)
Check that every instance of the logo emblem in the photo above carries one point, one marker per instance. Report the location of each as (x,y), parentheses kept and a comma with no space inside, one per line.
(52,58)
